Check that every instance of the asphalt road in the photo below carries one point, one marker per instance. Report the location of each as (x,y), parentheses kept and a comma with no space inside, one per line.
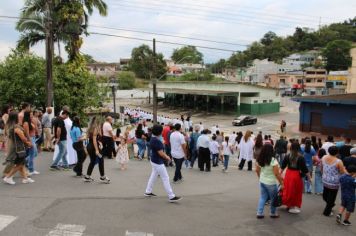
(213,204)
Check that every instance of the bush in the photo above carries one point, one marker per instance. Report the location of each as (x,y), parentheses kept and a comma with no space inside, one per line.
(127,80)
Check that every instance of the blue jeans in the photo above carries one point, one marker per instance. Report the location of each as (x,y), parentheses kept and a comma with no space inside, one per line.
(141,147)
(215,159)
(268,192)
(62,153)
(318,182)
(31,155)
(148,146)
(178,173)
(226,161)
(307,184)
(194,156)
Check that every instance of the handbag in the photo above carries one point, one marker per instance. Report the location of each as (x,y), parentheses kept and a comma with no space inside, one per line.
(277,201)
(20,148)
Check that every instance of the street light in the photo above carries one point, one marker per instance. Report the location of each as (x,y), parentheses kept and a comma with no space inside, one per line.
(113,85)
(154,91)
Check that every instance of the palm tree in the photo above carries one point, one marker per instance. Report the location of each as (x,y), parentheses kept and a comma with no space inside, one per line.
(69,19)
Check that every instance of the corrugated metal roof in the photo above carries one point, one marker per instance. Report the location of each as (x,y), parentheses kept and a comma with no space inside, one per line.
(349,99)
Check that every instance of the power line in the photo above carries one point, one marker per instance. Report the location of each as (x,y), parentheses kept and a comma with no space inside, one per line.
(168,35)
(216,9)
(160,41)
(258,10)
(201,16)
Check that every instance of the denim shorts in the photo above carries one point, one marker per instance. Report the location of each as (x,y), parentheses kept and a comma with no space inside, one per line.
(348,204)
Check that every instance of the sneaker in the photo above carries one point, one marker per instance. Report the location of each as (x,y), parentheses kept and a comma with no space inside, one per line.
(150,195)
(260,216)
(338,218)
(346,223)
(66,168)
(34,173)
(9,180)
(275,216)
(294,210)
(190,167)
(88,179)
(105,180)
(28,181)
(175,199)
(54,168)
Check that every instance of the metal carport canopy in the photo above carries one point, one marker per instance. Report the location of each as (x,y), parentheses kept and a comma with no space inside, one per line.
(196,92)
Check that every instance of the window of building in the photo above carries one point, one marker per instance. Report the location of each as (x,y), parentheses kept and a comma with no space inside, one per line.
(102,69)
(283,81)
(308,80)
(320,80)
(264,101)
(270,100)
(255,101)
(338,83)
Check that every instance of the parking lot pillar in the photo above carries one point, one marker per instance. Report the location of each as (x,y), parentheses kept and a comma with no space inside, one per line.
(207,103)
(238,104)
(222,104)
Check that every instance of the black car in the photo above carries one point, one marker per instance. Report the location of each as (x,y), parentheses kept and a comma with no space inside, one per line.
(244,120)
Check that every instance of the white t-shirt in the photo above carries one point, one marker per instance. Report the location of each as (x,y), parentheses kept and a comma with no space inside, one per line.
(106,129)
(214,147)
(326,146)
(177,140)
(227,148)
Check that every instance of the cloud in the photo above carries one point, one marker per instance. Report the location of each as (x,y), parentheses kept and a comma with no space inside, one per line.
(236,21)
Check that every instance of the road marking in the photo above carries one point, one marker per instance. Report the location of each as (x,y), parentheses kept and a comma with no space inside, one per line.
(137,234)
(6,220)
(67,230)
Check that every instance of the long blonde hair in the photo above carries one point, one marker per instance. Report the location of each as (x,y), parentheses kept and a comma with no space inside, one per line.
(247,135)
(94,126)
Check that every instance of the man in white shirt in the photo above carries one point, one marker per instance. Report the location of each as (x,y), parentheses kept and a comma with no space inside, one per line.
(108,138)
(329,142)
(201,127)
(178,151)
(203,151)
(232,138)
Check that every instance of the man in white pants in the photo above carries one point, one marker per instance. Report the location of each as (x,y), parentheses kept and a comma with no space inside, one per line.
(158,168)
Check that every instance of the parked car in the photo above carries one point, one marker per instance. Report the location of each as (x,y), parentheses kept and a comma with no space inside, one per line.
(244,120)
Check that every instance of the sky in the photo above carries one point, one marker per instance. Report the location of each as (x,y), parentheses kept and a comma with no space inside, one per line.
(234,24)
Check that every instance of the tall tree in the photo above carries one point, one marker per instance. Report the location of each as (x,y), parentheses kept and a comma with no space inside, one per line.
(337,54)
(69,20)
(142,63)
(187,54)
(268,38)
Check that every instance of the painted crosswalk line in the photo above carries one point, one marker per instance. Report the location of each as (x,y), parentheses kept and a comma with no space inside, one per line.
(6,220)
(137,234)
(67,230)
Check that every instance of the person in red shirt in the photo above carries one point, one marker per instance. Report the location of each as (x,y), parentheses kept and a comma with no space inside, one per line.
(167,146)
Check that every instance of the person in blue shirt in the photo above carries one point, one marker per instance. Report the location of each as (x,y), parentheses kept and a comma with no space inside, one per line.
(158,168)
(77,136)
(308,152)
(348,185)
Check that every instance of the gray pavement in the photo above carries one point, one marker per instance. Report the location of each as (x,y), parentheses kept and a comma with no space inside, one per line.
(213,204)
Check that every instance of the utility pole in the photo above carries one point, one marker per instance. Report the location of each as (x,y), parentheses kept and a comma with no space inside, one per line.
(49,54)
(154,84)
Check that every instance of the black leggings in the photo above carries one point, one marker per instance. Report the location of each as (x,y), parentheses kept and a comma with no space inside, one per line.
(94,160)
(79,148)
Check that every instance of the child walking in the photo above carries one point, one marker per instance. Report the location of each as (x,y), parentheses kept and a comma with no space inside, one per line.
(122,153)
(227,152)
(348,184)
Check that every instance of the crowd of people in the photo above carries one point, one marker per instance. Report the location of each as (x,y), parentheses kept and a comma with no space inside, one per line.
(286,168)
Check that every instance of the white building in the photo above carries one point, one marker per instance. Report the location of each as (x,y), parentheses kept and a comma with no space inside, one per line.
(300,59)
(261,68)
